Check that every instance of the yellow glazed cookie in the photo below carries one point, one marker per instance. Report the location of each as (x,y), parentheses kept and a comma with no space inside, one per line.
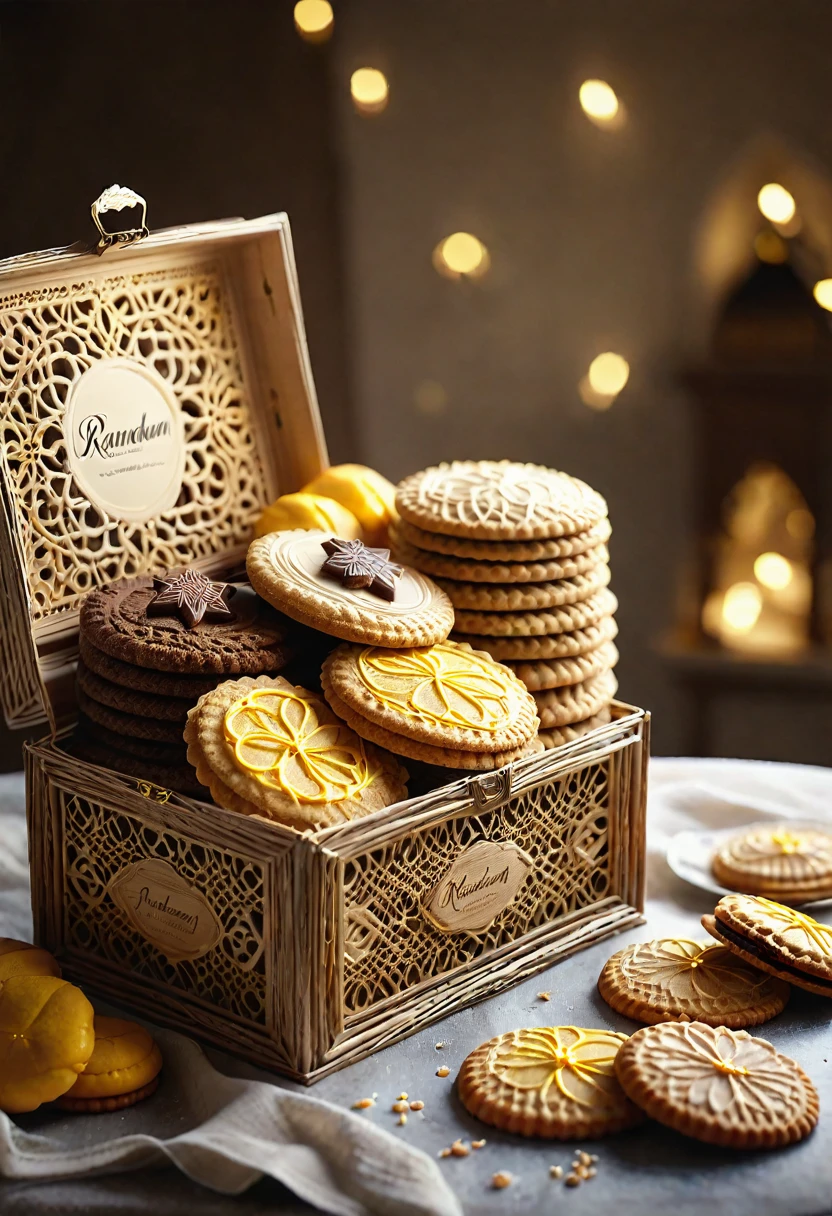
(717,1085)
(265,747)
(309,511)
(370,497)
(445,695)
(676,979)
(557,1082)
(46,1040)
(785,861)
(123,1068)
(22,958)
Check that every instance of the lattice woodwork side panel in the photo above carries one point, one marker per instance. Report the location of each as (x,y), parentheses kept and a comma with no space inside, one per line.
(178,323)
(563,825)
(99,842)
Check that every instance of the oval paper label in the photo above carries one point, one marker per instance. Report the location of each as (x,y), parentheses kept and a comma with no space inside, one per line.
(125,439)
(483,880)
(168,912)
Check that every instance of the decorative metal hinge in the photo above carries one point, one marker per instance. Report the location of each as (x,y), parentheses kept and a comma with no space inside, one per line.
(156,793)
(119,198)
(490,789)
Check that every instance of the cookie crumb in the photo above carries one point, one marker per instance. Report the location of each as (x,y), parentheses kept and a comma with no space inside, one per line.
(402,1119)
(417,1106)
(444,1152)
(402,1098)
(398,1107)
(555,1171)
(458,1149)
(443,1071)
(544,996)
(501,1180)
(363,1104)
(439,1046)
(584,1158)
(573,1180)
(477,1144)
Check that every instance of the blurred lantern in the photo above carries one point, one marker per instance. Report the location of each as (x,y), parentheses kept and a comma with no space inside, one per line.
(370,91)
(461,254)
(314,20)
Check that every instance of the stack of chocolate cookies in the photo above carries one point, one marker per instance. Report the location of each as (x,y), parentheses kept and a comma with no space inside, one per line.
(520,550)
(149,649)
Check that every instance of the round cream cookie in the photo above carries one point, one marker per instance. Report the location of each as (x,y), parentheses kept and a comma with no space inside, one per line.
(561,673)
(544,622)
(446,695)
(717,1085)
(779,860)
(462,569)
(287,570)
(551,646)
(520,597)
(559,736)
(498,500)
(264,747)
(557,707)
(555,1082)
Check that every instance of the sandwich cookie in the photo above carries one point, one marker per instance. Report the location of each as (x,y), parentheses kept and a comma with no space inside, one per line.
(123,1069)
(556,1082)
(264,747)
(780,940)
(787,862)
(675,979)
(348,590)
(498,500)
(717,1085)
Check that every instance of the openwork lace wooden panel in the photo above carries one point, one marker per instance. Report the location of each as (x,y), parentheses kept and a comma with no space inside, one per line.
(99,842)
(178,323)
(562,825)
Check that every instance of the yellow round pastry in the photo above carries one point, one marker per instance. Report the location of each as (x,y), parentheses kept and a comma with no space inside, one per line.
(310,512)
(370,497)
(46,1040)
(22,958)
(123,1067)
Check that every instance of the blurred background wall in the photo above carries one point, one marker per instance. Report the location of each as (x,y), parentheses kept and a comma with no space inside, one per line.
(625,236)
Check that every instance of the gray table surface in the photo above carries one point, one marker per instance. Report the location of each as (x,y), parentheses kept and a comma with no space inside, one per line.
(646,1170)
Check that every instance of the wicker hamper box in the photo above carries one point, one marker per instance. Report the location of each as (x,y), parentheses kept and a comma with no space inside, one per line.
(300,952)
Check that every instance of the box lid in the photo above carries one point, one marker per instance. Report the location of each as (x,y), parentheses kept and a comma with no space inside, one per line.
(154,396)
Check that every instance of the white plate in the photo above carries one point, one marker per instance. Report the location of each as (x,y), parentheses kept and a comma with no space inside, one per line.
(689,856)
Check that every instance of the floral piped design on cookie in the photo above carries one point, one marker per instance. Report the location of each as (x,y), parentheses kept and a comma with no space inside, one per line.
(577,1062)
(444,684)
(277,738)
(717,1069)
(192,597)
(683,969)
(799,930)
(357,567)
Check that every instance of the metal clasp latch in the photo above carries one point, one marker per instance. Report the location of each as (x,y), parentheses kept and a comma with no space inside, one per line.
(490,789)
(119,198)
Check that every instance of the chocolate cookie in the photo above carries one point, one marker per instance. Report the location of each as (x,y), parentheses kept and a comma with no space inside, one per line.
(128,724)
(121,620)
(180,777)
(144,679)
(144,749)
(131,701)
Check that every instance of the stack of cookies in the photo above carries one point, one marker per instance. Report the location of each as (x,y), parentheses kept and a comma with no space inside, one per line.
(788,862)
(148,650)
(520,550)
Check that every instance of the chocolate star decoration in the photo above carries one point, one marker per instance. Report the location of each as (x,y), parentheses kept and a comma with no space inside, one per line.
(356,566)
(192,597)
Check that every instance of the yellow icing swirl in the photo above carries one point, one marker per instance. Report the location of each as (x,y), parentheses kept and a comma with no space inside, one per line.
(818,934)
(440,684)
(278,739)
(578,1062)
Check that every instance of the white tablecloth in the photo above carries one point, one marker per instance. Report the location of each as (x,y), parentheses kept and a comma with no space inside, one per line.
(646,1170)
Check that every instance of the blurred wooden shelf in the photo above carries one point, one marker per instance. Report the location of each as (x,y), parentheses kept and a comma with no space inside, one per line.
(697,661)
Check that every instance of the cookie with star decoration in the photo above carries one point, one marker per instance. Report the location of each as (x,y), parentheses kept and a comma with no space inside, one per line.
(185,623)
(350,591)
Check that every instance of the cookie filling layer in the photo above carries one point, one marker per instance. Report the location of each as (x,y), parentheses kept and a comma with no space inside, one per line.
(768,956)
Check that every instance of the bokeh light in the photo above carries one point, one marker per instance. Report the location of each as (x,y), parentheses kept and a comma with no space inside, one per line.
(823,293)
(314,20)
(776,204)
(598,101)
(608,373)
(459,254)
(370,90)
(773,570)
(741,606)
